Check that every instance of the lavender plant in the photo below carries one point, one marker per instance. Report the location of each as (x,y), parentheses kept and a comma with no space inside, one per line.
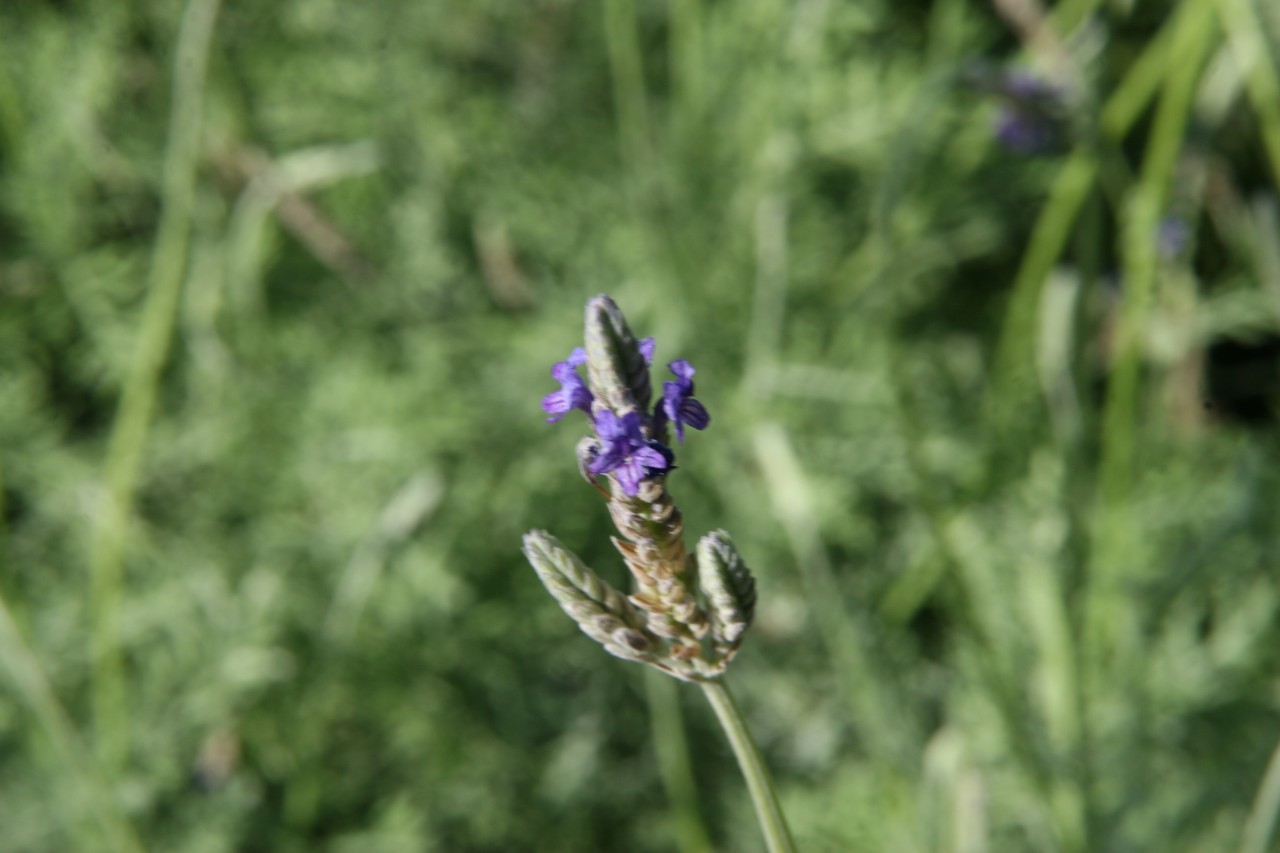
(689,612)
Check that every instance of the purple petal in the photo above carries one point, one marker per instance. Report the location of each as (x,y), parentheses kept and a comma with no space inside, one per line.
(608,427)
(651,458)
(694,414)
(577,357)
(682,368)
(629,476)
(580,398)
(609,458)
(563,371)
(673,394)
(606,462)
(555,404)
(646,349)
(631,424)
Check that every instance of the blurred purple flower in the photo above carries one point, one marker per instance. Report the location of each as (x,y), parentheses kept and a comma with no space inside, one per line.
(677,404)
(573,393)
(1172,236)
(647,347)
(626,451)
(1023,132)
(1031,118)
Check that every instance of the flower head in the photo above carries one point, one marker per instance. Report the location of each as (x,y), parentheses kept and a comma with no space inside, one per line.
(625,451)
(573,393)
(678,405)
(615,397)
(687,614)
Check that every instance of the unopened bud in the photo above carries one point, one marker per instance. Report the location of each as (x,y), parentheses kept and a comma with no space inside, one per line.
(617,370)
(729,588)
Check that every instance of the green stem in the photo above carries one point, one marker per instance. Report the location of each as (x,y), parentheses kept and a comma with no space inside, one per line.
(138,399)
(1116,545)
(672,749)
(1246,37)
(626,65)
(763,796)
(1015,353)
(1266,805)
(31,686)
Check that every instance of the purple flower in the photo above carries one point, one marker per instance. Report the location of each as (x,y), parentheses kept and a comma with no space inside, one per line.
(1024,131)
(678,405)
(625,450)
(1031,118)
(573,393)
(646,349)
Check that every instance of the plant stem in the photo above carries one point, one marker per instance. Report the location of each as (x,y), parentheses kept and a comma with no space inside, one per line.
(31,687)
(672,749)
(763,796)
(1266,805)
(141,387)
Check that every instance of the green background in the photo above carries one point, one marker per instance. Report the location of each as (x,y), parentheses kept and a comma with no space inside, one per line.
(280,285)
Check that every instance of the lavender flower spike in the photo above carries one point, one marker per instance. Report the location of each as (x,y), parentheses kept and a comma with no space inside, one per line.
(625,457)
(626,451)
(678,405)
(688,613)
(573,394)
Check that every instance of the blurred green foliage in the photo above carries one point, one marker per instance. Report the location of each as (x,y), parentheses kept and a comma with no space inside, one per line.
(1004,465)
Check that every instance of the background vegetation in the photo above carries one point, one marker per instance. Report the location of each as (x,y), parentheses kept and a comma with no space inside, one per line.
(280,285)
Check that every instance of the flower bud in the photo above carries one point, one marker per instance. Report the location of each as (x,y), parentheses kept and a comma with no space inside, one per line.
(617,370)
(730,591)
(600,610)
